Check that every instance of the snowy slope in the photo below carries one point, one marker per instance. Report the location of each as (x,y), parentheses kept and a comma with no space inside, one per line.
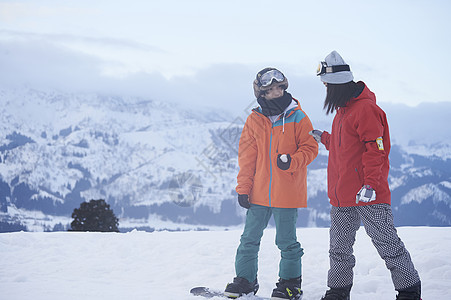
(165,265)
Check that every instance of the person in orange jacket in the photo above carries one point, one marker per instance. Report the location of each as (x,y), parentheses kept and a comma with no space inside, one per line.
(274,150)
(357,180)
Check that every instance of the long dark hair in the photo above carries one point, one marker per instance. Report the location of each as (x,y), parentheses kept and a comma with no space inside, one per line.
(338,95)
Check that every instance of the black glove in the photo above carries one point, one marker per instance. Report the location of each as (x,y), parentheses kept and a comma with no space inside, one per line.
(284,162)
(243,200)
(316,135)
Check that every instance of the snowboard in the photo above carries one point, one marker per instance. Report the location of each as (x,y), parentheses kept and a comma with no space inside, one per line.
(209,293)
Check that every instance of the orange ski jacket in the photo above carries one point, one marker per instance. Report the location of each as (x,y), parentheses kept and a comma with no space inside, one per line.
(260,143)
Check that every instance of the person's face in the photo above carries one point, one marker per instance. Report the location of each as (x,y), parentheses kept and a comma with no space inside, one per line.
(274,92)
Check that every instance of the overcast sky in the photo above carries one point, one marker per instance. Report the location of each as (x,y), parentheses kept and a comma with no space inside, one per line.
(205,51)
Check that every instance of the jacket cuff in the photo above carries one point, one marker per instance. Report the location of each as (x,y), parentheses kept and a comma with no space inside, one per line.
(242,191)
(324,137)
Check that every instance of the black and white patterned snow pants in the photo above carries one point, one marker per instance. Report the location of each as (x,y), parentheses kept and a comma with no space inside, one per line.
(378,222)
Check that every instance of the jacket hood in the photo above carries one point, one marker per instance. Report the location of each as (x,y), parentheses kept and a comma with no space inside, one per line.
(365,94)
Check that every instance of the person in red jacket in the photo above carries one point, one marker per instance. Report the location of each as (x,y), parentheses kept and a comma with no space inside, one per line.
(274,150)
(357,181)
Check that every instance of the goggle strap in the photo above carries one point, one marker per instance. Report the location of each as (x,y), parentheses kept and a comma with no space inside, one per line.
(338,68)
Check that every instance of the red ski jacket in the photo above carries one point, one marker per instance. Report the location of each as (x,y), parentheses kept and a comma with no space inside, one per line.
(358,151)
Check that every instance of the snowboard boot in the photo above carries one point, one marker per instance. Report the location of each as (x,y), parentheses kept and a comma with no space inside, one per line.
(412,293)
(337,294)
(287,289)
(239,287)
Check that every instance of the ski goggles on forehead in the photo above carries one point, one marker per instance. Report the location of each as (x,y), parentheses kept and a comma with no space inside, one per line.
(323,68)
(267,78)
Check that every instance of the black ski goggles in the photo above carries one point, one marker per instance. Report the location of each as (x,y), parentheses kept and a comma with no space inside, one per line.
(267,78)
(323,68)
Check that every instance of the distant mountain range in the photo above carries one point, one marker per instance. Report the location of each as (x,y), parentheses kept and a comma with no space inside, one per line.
(161,166)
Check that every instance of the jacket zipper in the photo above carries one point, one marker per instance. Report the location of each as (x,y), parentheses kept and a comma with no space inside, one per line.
(340,124)
(270,165)
(339,145)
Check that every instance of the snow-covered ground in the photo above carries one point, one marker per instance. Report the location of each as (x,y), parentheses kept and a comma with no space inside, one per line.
(166,265)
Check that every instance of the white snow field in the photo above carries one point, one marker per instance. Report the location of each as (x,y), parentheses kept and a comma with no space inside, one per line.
(166,265)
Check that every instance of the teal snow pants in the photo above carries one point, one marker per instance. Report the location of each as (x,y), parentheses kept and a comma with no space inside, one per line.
(257,218)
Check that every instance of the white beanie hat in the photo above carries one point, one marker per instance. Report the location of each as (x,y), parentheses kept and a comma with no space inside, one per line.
(336,76)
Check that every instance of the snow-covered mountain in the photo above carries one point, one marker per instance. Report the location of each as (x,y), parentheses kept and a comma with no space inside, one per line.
(161,165)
